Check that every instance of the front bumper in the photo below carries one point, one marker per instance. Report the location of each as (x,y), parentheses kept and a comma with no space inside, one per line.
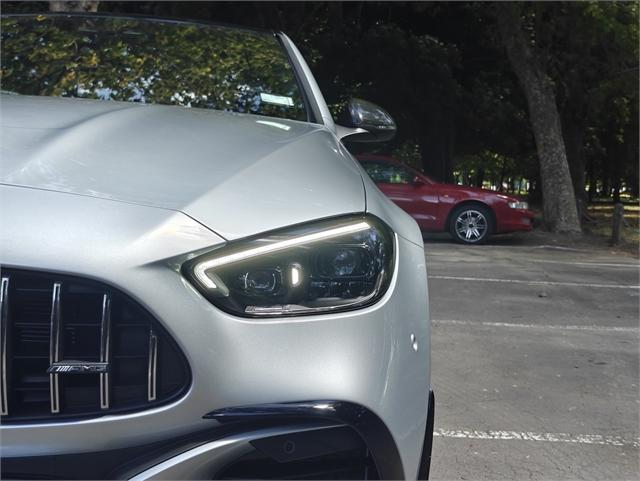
(315,439)
(365,357)
(513,220)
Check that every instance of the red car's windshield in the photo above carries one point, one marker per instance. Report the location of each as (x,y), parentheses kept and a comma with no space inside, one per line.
(390,171)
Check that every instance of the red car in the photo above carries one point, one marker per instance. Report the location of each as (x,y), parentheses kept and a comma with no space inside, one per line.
(469,214)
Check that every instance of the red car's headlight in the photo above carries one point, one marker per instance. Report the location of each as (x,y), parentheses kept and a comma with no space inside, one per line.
(519,205)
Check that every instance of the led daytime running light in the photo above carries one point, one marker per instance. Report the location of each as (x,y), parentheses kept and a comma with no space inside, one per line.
(200,270)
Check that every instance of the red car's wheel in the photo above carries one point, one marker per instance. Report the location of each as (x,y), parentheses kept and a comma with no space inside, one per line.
(471,224)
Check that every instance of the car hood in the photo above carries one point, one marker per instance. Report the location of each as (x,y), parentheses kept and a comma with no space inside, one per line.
(237,174)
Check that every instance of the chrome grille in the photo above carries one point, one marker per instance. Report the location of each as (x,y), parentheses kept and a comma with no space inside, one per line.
(76,347)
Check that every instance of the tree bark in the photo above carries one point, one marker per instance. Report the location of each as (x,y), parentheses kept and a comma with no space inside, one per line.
(436,143)
(503,173)
(617,177)
(480,177)
(559,203)
(593,180)
(606,180)
(574,131)
(73,6)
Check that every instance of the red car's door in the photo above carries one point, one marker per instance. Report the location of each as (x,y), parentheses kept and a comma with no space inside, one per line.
(418,199)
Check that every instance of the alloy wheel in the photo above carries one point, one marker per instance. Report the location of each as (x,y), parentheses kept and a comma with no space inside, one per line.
(471,225)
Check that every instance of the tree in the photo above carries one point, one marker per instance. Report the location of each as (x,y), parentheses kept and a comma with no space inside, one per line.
(440,69)
(590,49)
(74,6)
(559,204)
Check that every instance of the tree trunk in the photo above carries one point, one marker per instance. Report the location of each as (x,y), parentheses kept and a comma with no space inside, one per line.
(559,202)
(574,131)
(606,181)
(631,159)
(480,177)
(503,172)
(574,141)
(436,143)
(593,181)
(616,181)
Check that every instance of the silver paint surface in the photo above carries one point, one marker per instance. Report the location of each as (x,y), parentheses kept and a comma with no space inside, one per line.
(124,193)
(240,174)
(360,356)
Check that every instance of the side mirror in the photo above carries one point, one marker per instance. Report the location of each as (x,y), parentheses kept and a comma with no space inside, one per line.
(366,122)
(417,181)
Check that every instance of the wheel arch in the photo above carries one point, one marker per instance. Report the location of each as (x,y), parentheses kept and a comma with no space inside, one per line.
(470,203)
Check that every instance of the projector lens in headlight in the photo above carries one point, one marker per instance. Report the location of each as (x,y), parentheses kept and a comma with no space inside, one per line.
(326,266)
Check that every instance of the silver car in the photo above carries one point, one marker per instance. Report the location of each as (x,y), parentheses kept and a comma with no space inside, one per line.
(198,280)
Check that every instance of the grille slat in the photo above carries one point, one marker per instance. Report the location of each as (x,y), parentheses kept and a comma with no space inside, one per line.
(153,366)
(54,347)
(105,349)
(4,324)
(76,347)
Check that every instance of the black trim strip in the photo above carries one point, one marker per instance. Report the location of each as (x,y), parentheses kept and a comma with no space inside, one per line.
(425,460)
(369,426)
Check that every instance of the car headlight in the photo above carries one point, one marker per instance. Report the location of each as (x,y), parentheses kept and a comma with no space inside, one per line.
(518,205)
(326,266)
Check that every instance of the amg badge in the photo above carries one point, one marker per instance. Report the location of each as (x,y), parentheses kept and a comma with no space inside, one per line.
(78,367)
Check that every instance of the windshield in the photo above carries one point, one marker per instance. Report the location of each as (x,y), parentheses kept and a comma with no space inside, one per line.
(149,61)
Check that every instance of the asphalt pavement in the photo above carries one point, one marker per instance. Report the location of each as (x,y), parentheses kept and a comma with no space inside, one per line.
(535,361)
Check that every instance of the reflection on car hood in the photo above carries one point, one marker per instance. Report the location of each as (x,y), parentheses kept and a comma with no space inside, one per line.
(237,174)
(476,190)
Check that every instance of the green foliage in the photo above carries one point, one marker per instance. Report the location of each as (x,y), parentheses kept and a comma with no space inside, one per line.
(132,60)
(440,70)
(409,153)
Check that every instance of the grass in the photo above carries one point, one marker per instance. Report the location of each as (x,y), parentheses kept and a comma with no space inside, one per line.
(597,233)
(602,215)
(603,221)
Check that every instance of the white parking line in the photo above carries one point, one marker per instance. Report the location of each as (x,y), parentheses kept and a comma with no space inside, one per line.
(536,326)
(544,437)
(586,264)
(541,283)
(438,258)
(560,248)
